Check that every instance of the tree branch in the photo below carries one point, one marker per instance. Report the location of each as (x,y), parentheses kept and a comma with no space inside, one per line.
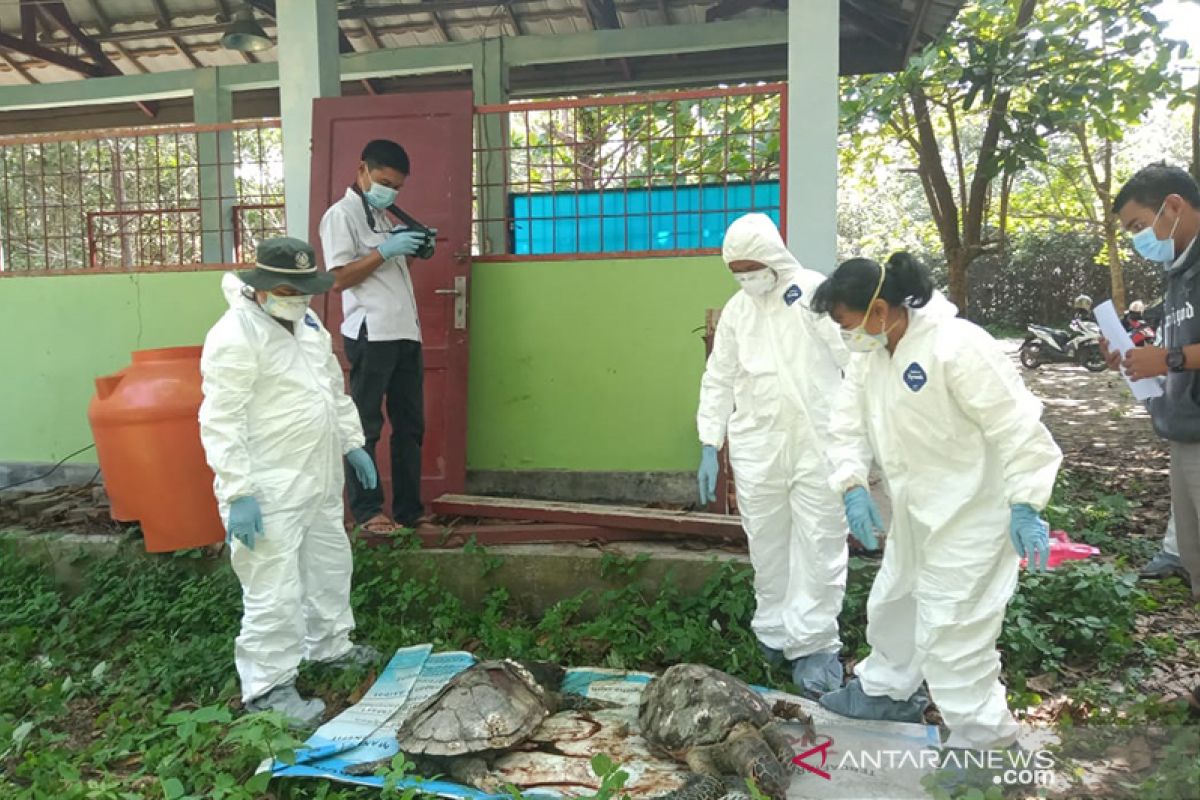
(930,164)
(958,154)
(972,228)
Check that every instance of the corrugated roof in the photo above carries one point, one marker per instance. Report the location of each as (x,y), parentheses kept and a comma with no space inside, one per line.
(163,35)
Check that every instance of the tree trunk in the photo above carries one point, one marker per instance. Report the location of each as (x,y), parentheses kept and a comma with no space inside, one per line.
(956,263)
(1116,269)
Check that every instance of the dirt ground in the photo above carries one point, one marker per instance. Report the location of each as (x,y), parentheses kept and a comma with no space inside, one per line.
(1107,439)
(1105,436)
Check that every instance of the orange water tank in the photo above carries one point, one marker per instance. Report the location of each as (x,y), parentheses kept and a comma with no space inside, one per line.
(145,423)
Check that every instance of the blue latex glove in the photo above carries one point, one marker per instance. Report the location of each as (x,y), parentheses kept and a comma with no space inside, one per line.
(1030,537)
(364,468)
(863,516)
(245,521)
(707,475)
(402,243)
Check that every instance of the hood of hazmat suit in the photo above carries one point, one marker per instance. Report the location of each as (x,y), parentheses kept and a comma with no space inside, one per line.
(767,389)
(275,423)
(772,356)
(959,439)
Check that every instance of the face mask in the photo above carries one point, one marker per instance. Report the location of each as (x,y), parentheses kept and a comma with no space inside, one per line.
(1150,247)
(859,341)
(380,196)
(287,308)
(758,282)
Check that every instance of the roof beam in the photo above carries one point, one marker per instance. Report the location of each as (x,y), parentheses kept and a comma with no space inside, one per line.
(917,27)
(52,56)
(164,24)
(731,8)
(372,37)
(437,18)
(345,46)
(105,26)
(62,18)
(29,21)
(512,17)
(444,57)
(885,29)
(602,14)
(17,67)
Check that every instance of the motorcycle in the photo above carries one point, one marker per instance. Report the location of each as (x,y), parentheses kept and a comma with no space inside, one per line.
(1080,344)
(1140,332)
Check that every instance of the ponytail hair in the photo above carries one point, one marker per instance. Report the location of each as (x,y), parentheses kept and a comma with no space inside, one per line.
(906,282)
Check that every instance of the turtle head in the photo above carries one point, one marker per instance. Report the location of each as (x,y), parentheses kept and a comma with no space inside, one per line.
(548,674)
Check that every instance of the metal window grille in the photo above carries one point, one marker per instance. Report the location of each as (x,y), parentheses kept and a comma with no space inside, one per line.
(661,173)
(139,199)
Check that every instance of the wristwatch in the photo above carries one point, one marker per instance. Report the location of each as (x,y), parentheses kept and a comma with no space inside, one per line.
(1176,359)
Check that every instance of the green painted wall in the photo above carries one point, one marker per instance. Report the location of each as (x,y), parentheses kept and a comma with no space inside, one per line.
(61,332)
(584,365)
(589,365)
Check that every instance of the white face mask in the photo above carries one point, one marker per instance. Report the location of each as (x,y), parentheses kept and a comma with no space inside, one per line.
(287,308)
(758,282)
(859,341)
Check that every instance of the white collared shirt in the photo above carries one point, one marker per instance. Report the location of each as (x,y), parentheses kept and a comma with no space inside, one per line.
(385,300)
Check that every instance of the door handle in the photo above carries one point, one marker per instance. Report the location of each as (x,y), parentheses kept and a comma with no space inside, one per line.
(459,292)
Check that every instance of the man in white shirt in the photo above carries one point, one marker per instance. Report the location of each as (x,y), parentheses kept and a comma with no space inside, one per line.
(382,334)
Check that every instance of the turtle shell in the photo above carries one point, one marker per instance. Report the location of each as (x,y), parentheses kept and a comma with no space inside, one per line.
(692,704)
(488,706)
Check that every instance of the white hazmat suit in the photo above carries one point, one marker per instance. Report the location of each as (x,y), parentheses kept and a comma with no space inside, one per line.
(959,439)
(275,423)
(768,385)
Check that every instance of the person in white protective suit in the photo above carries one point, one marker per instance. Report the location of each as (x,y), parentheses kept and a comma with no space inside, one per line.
(774,369)
(275,423)
(968,465)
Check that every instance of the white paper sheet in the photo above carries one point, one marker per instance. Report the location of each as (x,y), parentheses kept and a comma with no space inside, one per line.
(1118,338)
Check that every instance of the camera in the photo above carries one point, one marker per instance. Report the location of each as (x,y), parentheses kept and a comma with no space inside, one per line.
(426,249)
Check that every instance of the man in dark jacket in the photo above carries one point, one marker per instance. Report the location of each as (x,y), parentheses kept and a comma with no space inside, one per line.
(1160,207)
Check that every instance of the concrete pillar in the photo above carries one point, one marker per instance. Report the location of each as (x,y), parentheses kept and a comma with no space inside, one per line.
(489,80)
(211,104)
(308,68)
(812,143)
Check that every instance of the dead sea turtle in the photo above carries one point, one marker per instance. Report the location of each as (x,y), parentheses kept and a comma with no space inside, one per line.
(718,726)
(485,709)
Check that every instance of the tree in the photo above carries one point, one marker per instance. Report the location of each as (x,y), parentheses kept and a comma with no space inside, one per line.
(640,144)
(1005,66)
(1116,71)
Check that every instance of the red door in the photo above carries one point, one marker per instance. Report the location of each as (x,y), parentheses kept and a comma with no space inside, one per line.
(435,129)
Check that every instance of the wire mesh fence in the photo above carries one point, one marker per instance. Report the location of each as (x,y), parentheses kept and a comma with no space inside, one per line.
(663,173)
(660,173)
(140,198)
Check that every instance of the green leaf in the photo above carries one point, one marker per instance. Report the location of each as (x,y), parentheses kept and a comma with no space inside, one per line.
(172,789)
(258,784)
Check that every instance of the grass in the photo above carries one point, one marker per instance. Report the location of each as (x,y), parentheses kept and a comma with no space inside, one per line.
(126,688)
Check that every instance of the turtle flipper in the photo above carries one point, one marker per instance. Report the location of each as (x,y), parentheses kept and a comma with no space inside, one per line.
(471,771)
(751,757)
(568,701)
(697,787)
(775,737)
(368,767)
